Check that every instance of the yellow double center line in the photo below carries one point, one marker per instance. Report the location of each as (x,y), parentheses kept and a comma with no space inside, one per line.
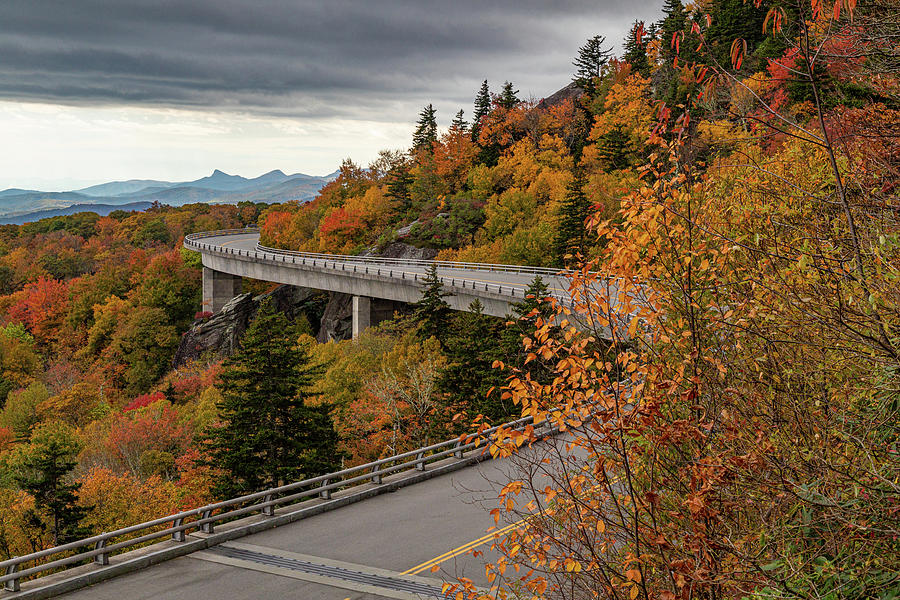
(461,550)
(483,539)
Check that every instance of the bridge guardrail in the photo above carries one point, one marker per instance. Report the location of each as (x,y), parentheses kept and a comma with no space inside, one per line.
(449,264)
(204,519)
(369,265)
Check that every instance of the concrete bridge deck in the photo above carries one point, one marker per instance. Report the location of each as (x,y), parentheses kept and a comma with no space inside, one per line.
(228,256)
(353,551)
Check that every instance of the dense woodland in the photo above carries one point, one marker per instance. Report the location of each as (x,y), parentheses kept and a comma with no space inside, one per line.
(735,170)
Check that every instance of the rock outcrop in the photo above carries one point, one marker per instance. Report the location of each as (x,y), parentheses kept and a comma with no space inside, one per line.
(401,250)
(337,320)
(222,332)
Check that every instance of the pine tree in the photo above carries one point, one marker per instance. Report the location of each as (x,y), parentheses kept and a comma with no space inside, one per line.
(508,98)
(576,208)
(426,129)
(399,182)
(431,311)
(675,26)
(589,63)
(459,124)
(45,472)
(731,20)
(270,435)
(522,323)
(612,147)
(472,349)
(482,108)
(674,21)
(635,50)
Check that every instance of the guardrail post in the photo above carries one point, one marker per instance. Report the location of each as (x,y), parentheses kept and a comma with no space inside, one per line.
(13,584)
(269,508)
(420,461)
(103,557)
(326,493)
(208,526)
(376,474)
(178,536)
(458,453)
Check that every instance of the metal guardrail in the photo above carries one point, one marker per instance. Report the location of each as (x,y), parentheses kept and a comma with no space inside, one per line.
(419,262)
(101,547)
(448,264)
(370,265)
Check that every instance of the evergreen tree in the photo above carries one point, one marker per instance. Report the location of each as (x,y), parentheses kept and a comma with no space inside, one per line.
(635,50)
(572,235)
(673,21)
(399,181)
(482,108)
(508,98)
(522,323)
(589,63)
(45,471)
(459,124)
(731,20)
(270,435)
(613,148)
(431,311)
(472,349)
(426,129)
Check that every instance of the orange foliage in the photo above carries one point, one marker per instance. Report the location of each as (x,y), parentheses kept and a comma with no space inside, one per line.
(453,157)
(119,500)
(340,229)
(41,306)
(156,427)
(7,437)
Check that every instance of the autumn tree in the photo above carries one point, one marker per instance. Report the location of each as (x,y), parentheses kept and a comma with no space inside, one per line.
(271,433)
(732,425)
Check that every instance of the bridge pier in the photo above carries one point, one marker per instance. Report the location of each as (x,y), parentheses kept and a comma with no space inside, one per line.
(218,289)
(362,314)
(372,311)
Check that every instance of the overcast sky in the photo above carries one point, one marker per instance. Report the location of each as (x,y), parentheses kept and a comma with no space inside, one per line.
(96,90)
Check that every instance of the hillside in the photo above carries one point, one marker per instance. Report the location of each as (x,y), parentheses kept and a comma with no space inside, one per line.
(724,195)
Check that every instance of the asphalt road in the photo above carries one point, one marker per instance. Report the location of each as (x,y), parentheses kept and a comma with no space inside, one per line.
(520,281)
(387,535)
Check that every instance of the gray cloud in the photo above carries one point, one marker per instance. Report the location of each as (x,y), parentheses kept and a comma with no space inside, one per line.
(341,58)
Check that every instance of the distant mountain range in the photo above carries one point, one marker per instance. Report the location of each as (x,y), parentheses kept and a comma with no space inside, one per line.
(23,206)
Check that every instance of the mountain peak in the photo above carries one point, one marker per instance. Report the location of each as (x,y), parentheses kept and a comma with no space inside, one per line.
(219,173)
(273,172)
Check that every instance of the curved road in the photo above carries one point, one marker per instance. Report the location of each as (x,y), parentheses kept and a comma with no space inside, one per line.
(222,251)
(401,534)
